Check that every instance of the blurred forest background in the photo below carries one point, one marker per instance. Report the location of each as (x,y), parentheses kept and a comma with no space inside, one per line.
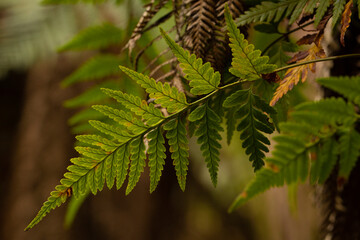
(36,143)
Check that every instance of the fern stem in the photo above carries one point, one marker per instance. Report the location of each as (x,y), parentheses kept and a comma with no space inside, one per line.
(283,35)
(317,60)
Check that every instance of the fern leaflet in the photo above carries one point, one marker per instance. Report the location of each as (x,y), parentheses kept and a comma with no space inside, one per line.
(208,136)
(95,68)
(165,95)
(176,134)
(156,156)
(269,11)
(253,124)
(137,164)
(150,114)
(247,63)
(338,9)
(349,151)
(349,87)
(202,77)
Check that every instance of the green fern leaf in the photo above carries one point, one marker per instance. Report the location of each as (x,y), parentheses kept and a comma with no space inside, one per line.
(321,10)
(95,68)
(165,95)
(349,87)
(327,111)
(55,200)
(137,164)
(209,137)
(269,11)
(247,63)
(151,115)
(178,142)
(134,125)
(95,37)
(202,77)
(253,124)
(91,96)
(98,141)
(311,5)
(119,133)
(338,10)
(122,161)
(349,151)
(327,157)
(230,124)
(157,156)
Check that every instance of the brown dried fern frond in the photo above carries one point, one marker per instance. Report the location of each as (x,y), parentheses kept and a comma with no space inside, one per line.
(150,11)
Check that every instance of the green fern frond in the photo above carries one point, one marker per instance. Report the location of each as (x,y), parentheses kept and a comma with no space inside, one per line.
(157,156)
(269,11)
(349,150)
(349,87)
(122,160)
(165,95)
(247,63)
(151,115)
(95,37)
(311,5)
(208,136)
(119,133)
(253,124)
(98,141)
(178,142)
(95,68)
(202,78)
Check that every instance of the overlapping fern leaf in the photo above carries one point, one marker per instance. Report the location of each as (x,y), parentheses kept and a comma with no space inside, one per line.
(326,127)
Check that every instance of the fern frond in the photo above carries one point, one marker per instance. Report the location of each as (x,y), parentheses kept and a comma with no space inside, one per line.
(247,63)
(202,77)
(269,11)
(349,151)
(137,164)
(151,115)
(165,95)
(208,136)
(349,87)
(253,124)
(157,156)
(94,37)
(178,142)
(95,68)
(230,124)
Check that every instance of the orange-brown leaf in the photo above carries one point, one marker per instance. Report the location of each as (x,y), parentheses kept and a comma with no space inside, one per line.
(293,75)
(345,21)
